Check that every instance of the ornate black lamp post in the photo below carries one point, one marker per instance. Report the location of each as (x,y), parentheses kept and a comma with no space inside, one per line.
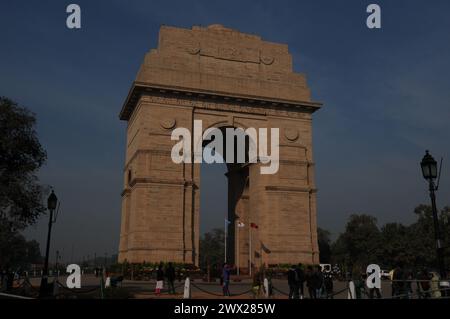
(52,202)
(430,173)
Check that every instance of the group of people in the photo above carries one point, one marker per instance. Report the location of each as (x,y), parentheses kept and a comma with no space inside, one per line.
(405,284)
(169,274)
(427,284)
(7,278)
(319,284)
(262,281)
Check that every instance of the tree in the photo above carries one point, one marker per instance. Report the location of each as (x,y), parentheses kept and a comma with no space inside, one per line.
(21,155)
(412,246)
(422,236)
(323,237)
(16,252)
(212,249)
(359,245)
(445,227)
(396,247)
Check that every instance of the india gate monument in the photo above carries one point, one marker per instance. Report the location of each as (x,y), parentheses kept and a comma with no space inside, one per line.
(226,79)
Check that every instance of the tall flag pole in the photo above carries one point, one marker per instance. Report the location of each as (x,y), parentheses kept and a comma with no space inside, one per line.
(227,222)
(250,249)
(239,226)
(252,225)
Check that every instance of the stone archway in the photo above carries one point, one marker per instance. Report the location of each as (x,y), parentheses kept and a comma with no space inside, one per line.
(237,195)
(224,78)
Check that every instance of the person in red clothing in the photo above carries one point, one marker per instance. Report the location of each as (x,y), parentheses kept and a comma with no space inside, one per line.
(159,280)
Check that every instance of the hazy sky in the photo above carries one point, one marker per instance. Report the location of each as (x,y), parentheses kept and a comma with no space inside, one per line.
(386,96)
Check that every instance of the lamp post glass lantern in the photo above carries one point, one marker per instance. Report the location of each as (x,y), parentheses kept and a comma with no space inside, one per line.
(429,167)
(52,202)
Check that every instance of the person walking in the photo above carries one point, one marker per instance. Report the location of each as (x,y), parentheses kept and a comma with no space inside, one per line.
(3,281)
(226,280)
(310,282)
(360,284)
(318,281)
(328,283)
(293,283)
(170,275)
(424,283)
(269,275)
(300,280)
(374,290)
(408,279)
(435,292)
(159,280)
(256,285)
(398,282)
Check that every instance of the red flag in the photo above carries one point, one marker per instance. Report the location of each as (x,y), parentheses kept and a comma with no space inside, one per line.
(253,225)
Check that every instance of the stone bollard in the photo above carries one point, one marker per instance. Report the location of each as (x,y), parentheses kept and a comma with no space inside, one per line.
(266,287)
(187,289)
(108,282)
(351,290)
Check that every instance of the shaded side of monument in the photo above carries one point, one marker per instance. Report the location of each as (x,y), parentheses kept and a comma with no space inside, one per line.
(226,79)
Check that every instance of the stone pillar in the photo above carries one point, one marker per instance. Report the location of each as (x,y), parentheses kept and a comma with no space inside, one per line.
(159,201)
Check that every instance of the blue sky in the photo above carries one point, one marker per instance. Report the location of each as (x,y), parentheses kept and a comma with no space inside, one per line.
(386,96)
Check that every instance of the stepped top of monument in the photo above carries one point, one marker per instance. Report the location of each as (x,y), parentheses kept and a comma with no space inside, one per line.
(222,62)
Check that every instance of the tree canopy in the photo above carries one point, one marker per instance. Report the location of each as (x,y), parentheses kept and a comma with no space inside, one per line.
(21,155)
(323,237)
(16,252)
(363,242)
(212,249)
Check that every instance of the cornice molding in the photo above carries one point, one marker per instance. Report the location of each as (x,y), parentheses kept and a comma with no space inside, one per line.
(213,100)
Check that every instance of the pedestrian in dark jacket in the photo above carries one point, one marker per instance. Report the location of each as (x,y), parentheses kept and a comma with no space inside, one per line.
(398,284)
(300,280)
(293,282)
(3,281)
(328,283)
(226,279)
(424,283)
(310,282)
(257,284)
(269,275)
(170,274)
(318,281)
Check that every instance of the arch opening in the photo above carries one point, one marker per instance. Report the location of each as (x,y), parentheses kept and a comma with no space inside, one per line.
(225,195)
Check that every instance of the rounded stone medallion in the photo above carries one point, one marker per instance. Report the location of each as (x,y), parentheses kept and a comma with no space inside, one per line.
(168,123)
(267,60)
(291,134)
(193,49)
